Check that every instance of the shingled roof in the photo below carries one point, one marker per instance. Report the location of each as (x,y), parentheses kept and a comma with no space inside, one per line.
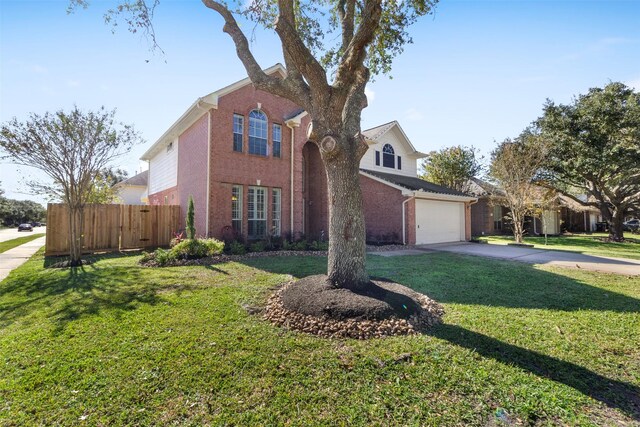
(140,179)
(414,183)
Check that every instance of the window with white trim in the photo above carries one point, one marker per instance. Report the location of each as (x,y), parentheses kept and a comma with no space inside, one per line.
(257,133)
(276,211)
(277,139)
(236,209)
(238,132)
(388,157)
(256,212)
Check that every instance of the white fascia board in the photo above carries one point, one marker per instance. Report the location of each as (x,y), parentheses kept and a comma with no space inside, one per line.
(443,197)
(296,120)
(405,191)
(201,106)
(193,113)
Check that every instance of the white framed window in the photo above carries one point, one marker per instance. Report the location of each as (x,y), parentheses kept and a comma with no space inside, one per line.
(256,212)
(388,157)
(258,133)
(238,132)
(236,209)
(276,211)
(277,139)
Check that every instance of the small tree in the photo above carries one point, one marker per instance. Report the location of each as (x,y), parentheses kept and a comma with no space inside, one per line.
(514,166)
(71,148)
(595,148)
(452,167)
(102,189)
(191,226)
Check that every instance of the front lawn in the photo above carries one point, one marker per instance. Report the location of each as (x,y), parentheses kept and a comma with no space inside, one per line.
(10,244)
(590,244)
(116,344)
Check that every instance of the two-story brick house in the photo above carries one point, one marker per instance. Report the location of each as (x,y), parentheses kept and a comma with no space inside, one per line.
(244,156)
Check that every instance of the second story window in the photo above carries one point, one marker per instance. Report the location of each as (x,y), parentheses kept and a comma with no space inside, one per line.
(257,133)
(277,140)
(238,132)
(388,157)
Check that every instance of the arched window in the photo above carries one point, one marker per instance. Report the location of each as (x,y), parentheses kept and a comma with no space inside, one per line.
(257,133)
(388,157)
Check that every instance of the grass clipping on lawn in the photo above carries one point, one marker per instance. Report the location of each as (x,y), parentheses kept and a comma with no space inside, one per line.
(314,306)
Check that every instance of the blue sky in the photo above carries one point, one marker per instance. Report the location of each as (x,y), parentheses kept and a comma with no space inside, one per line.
(478,71)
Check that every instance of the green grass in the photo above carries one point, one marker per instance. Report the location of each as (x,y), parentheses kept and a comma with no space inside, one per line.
(590,244)
(10,244)
(117,344)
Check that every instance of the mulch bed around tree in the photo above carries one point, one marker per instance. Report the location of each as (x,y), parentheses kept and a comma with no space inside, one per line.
(313,306)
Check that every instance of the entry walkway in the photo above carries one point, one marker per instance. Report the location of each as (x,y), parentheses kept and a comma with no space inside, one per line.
(14,258)
(628,267)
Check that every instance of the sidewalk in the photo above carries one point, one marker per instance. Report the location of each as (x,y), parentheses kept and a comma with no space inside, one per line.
(13,258)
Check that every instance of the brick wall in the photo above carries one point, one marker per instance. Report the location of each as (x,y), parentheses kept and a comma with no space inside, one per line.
(192,172)
(229,167)
(382,211)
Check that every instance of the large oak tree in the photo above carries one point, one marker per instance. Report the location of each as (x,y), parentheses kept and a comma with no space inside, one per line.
(595,150)
(330,50)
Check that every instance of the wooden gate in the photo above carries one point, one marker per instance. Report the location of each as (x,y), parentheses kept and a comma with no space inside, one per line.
(113,227)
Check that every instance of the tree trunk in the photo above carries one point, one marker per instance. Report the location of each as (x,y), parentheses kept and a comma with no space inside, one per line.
(347,242)
(76,227)
(518,225)
(616,228)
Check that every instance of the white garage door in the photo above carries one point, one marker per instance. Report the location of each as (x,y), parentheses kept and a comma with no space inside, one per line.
(439,222)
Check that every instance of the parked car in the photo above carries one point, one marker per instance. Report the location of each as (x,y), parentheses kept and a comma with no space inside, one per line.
(35,224)
(632,224)
(25,227)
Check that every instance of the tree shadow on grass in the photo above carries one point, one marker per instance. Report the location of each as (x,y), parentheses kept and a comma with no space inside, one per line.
(613,393)
(462,279)
(65,295)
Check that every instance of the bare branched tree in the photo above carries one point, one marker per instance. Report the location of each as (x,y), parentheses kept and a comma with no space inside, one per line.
(72,149)
(514,166)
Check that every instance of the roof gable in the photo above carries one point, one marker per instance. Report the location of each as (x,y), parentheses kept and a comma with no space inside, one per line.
(375,134)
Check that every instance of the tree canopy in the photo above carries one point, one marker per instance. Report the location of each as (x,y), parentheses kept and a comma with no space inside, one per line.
(72,148)
(452,167)
(595,150)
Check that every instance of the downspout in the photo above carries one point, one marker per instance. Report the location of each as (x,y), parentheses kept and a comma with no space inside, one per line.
(291,183)
(404,220)
(465,218)
(206,221)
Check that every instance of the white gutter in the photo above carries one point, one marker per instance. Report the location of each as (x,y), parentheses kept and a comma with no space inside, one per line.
(206,221)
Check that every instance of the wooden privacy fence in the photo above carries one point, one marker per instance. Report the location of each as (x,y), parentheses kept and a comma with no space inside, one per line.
(113,227)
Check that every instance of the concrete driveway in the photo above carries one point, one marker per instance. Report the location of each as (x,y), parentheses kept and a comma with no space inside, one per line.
(628,267)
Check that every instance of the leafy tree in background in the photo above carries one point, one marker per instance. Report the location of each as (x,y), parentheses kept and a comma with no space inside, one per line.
(514,167)
(71,148)
(102,190)
(14,212)
(452,167)
(595,148)
(330,50)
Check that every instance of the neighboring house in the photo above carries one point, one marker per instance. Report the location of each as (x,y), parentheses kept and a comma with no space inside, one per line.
(244,156)
(489,216)
(133,191)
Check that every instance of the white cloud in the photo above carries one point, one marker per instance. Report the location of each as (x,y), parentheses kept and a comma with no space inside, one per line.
(371,95)
(73,83)
(413,114)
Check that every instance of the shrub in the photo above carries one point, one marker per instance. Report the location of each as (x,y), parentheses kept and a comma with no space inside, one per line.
(258,246)
(237,248)
(197,248)
(162,256)
(300,245)
(177,238)
(287,245)
(191,227)
(319,246)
